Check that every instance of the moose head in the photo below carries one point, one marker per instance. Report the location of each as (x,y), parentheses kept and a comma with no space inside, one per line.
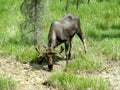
(49,53)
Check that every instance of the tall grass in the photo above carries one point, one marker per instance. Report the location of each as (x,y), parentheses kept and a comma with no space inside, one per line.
(70,81)
(6,83)
(10,33)
(87,62)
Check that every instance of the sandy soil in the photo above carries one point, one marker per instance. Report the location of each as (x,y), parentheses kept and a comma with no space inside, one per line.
(31,77)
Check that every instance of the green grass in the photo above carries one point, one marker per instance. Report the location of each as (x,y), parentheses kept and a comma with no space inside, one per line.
(70,81)
(100,23)
(6,83)
(20,52)
(10,33)
(85,62)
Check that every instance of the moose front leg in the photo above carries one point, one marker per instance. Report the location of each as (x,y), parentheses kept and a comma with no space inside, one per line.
(67,51)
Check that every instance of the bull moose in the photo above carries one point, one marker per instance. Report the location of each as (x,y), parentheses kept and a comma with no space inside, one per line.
(62,31)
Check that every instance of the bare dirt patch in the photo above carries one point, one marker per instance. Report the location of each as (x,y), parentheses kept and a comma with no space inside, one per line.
(112,74)
(32,77)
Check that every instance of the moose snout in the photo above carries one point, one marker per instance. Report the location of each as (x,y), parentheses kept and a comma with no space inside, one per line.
(50,67)
(50,62)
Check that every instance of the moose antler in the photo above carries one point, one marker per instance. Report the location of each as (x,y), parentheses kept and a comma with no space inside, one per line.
(37,47)
(41,55)
(50,53)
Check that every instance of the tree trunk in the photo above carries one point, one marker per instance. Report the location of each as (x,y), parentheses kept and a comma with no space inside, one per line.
(35,23)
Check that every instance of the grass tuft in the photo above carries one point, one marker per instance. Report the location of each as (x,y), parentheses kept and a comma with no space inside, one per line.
(70,81)
(85,63)
(6,83)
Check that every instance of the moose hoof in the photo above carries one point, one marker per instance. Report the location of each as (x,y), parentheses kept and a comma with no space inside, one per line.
(50,67)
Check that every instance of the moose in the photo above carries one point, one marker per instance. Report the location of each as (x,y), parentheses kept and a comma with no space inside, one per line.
(62,31)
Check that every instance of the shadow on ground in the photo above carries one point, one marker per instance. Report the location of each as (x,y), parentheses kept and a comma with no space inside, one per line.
(42,63)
